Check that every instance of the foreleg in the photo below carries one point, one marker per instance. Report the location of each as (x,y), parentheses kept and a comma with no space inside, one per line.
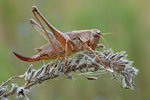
(101,45)
(89,49)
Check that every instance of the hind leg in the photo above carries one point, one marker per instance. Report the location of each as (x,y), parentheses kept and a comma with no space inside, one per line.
(35,12)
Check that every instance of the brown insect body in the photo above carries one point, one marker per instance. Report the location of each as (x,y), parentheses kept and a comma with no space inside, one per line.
(91,37)
(63,44)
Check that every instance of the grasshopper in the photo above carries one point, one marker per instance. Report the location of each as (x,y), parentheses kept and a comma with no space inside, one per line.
(62,44)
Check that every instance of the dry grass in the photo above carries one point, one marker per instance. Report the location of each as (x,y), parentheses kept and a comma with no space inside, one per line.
(82,63)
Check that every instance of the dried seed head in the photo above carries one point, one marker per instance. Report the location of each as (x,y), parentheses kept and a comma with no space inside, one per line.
(84,63)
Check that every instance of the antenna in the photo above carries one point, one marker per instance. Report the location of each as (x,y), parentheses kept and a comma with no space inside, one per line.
(105,42)
(110,33)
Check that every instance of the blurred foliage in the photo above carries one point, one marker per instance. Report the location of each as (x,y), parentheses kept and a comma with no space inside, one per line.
(129,18)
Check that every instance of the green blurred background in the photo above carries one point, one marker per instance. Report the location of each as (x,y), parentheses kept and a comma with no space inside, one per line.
(131,18)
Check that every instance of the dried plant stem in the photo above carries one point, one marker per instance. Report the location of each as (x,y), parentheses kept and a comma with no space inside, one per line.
(84,62)
(10,79)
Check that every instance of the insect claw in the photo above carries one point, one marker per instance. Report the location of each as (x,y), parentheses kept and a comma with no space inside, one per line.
(25,58)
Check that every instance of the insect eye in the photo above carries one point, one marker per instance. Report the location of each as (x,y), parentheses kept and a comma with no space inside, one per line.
(96,35)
